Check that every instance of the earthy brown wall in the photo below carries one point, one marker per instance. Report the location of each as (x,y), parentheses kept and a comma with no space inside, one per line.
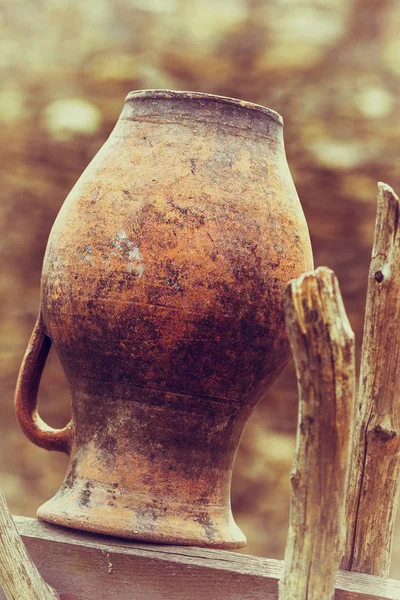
(330,67)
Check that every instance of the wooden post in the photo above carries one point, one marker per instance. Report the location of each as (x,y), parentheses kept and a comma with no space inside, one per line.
(19,577)
(375,472)
(323,346)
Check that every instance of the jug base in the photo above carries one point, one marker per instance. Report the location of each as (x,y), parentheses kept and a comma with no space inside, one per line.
(190,526)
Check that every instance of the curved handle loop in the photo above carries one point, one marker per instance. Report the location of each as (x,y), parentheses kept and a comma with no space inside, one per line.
(26,393)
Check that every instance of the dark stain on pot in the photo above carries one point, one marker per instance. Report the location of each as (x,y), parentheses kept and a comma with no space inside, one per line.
(171,202)
(86,493)
(70,479)
(175,277)
(108,444)
(204,520)
(148,515)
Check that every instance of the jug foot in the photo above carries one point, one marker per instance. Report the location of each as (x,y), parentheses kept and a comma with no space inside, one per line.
(127,517)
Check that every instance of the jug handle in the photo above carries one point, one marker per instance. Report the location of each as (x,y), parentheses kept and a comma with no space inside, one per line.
(26,393)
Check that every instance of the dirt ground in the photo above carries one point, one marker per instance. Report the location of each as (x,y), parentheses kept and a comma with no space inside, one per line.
(330,67)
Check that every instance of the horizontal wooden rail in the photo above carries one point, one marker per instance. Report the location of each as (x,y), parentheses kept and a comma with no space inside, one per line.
(82,566)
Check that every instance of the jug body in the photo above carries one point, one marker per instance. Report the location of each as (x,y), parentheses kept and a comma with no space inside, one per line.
(162,292)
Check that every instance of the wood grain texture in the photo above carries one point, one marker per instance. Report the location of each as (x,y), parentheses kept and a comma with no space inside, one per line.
(19,577)
(83,566)
(375,472)
(323,346)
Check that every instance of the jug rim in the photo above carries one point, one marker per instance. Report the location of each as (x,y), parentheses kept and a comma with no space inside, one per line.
(211,98)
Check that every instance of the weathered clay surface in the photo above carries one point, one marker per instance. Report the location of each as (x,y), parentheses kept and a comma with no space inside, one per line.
(162,293)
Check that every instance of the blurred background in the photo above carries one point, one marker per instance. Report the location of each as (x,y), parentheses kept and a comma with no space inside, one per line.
(330,67)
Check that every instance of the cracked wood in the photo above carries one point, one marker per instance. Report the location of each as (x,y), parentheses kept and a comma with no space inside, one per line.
(323,346)
(19,577)
(375,472)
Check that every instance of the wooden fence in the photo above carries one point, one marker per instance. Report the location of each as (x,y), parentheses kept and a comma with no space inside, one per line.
(81,566)
(345,477)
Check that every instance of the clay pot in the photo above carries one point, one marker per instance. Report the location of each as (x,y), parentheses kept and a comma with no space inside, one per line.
(162,293)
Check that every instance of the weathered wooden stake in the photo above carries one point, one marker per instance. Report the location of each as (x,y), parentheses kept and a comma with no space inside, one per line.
(374,481)
(19,577)
(323,346)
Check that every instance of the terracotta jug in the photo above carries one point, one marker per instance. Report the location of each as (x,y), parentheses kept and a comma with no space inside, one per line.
(162,292)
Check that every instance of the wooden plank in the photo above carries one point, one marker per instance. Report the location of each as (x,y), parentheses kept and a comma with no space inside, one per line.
(82,566)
